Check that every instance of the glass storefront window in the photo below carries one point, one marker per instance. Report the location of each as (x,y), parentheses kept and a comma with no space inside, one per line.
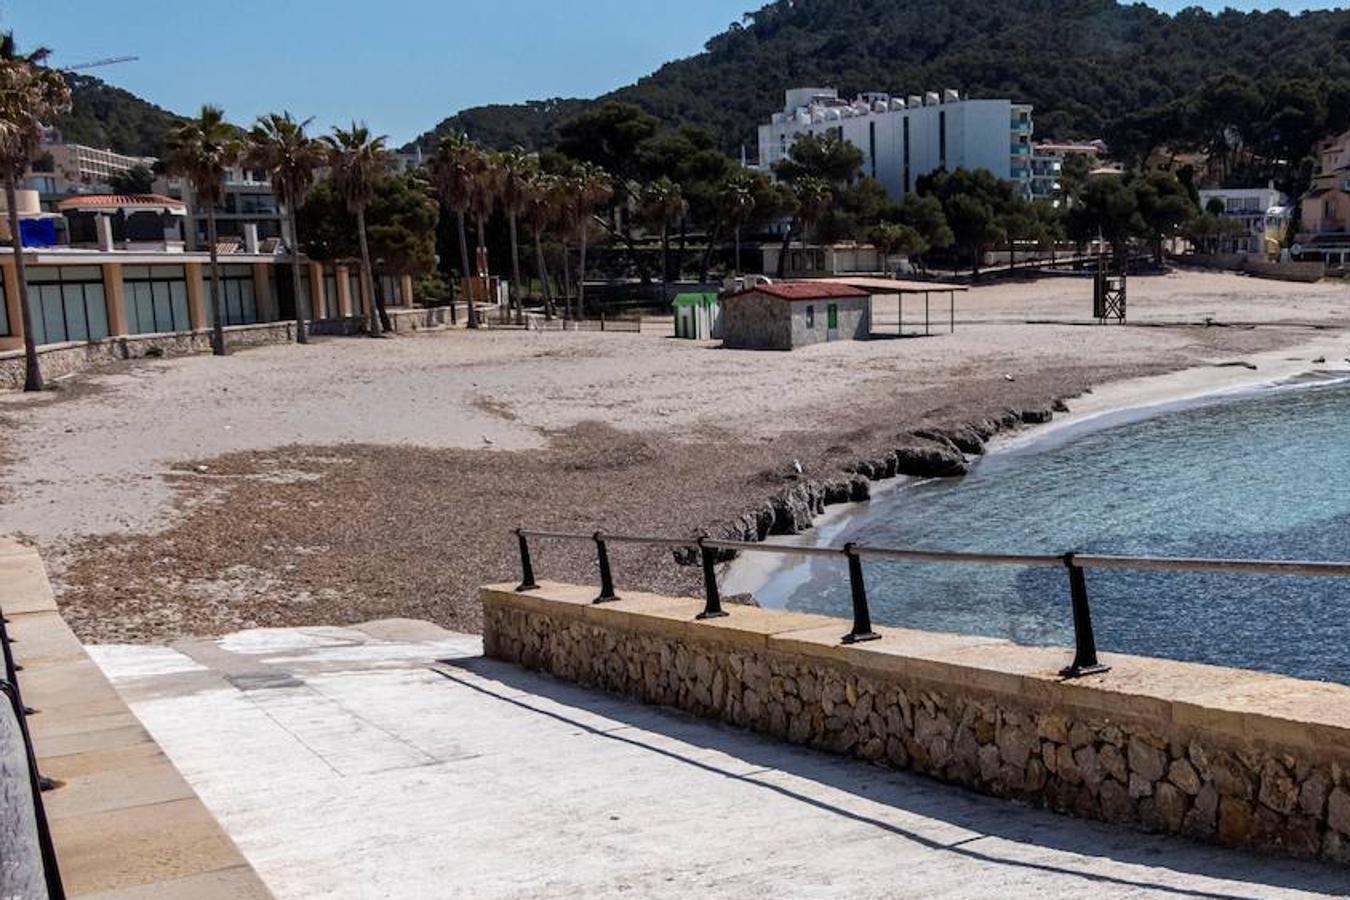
(66,303)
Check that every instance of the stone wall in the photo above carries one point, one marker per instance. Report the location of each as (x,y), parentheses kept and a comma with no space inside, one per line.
(77,356)
(1234,757)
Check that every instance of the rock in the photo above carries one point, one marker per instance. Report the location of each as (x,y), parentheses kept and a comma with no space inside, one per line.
(1183,775)
(1312,796)
(1053,727)
(1140,787)
(1278,790)
(988,757)
(1116,804)
(1235,821)
(1230,778)
(1016,745)
(967,440)
(1059,405)
(1037,415)
(1171,806)
(1145,761)
(859,488)
(1202,819)
(1112,762)
(1089,767)
(1338,811)
(931,460)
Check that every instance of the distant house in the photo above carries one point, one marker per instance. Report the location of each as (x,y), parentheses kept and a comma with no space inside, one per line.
(791,314)
(698,316)
(1324,229)
(1263,212)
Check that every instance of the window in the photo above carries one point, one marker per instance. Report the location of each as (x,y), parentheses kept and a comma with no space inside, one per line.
(810,316)
(872,146)
(832,316)
(391,289)
(330,297)
(67,304)
(942,139)
(236,296)
(354,290)
(907,182)
(4,311)
(156,299)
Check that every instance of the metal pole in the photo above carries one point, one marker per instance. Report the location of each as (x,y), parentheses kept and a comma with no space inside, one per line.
(925,312)
(55,889)
(606,578)
(951,296)
(1085,644)
(712,608)
(900,315)
(527,582)
(862,619)
(11,667)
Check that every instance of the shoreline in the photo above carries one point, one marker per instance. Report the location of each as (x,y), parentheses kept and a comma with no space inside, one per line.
(1110,404)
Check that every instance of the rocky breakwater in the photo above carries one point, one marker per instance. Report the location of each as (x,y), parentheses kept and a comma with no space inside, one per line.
(942,451)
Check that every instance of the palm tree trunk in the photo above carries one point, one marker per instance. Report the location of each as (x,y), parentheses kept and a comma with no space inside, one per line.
(567,284)
(465,274)
(707,254)
(665,263)
(217,301)
(581,275)
(480,253)
(32,370)
(301,333)
(738,250)
(367,277)
(783,253)
(542,271)
(516,297)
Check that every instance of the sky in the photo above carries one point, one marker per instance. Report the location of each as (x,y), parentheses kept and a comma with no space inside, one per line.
(399,66)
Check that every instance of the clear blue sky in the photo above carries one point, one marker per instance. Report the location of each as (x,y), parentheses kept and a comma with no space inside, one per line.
(401,65)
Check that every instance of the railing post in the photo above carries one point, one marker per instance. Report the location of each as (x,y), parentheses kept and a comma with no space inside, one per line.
(606,578)
(11,667)
(1085,644)
(527,582)
(712,608)
(862,618)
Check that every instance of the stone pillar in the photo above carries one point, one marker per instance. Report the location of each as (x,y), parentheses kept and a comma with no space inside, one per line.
(263,293)
(318,308)
(407,286)
(344,292)
(14,339)
(196,296)
(114,294)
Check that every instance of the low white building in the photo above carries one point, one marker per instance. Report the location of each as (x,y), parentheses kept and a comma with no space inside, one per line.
(1047,164)
(1264,212)
(905,138)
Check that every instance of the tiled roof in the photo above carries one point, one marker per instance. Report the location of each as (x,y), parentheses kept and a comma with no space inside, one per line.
(120,201)
(803,290)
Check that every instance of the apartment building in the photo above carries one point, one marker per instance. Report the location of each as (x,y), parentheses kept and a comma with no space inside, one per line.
(1047,164)
(60,169)
(904,138)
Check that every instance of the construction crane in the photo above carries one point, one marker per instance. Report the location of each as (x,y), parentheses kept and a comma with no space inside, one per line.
(112,60)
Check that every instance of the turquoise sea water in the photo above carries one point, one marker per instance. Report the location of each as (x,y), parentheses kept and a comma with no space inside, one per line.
(1265,475)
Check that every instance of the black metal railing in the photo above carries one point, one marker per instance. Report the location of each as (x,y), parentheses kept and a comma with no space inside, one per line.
(1085,661)
(50,873)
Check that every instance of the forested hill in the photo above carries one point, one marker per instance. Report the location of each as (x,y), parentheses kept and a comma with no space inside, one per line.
(1083,63)
(108,117)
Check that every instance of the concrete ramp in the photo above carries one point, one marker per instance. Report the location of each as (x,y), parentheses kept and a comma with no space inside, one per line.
(392,760)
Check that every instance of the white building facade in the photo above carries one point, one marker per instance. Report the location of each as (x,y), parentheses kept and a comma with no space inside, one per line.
(903,139)
(1264,212)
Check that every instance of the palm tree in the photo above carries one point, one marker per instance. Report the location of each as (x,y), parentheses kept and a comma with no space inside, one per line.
(738,202)
(813,197)
(516,171)
(452,173)
(593,190)
(484,190)
(201,150)
(30,94)
(566,214)
(541,193)
(662,203)
(357,159)
(278,145)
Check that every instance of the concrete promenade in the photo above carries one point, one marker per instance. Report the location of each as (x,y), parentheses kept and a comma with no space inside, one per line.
(392,760)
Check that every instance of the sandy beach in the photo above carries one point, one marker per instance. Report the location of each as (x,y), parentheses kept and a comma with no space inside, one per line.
(353,478)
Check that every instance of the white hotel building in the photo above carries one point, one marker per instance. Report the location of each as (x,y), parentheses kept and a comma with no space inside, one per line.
(902,139)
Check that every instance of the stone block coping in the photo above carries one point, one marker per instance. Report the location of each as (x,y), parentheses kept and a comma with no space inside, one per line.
(124,821)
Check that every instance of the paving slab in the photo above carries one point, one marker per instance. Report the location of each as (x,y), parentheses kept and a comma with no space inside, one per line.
(465,777)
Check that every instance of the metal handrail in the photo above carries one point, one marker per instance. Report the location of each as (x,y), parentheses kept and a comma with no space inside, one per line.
(1085,660)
